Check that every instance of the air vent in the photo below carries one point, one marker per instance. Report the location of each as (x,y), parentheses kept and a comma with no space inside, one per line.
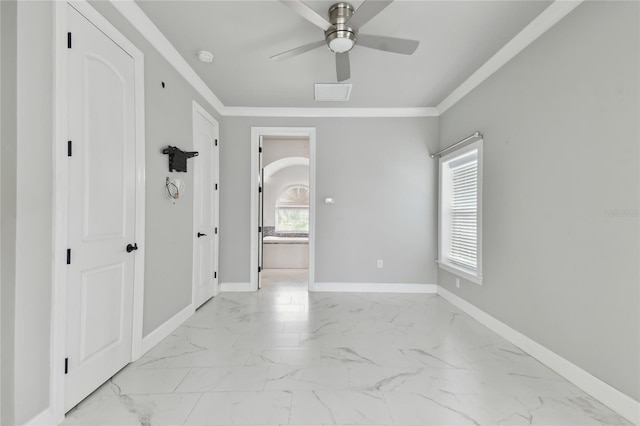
(333,92)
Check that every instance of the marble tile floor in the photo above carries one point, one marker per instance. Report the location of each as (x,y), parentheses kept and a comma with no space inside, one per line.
(284,356)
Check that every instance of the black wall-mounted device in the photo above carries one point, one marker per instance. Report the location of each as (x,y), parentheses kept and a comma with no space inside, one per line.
(178,158)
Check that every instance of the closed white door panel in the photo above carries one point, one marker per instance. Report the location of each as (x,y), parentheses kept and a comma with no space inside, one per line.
(101,125)
(206,209)
(261,189)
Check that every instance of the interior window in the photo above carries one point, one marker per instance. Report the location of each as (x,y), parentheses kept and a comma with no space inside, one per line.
(461,212)
(292,210)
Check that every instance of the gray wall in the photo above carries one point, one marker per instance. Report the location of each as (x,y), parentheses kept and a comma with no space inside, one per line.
(382,178)
(34,209)
(8,146)
(168,226)
(561,150)
(0,215)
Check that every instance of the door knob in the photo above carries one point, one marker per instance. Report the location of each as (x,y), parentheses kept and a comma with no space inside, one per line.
(201,235)
(131,248)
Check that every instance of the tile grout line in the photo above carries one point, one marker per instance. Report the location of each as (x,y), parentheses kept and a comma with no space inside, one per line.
(193,408)
(182,380)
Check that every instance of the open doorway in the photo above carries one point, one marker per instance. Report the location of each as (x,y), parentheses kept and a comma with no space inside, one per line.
(284,211)
(283,208)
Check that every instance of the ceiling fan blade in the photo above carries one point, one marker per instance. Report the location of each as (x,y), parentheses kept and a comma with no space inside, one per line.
(388,44)
(367,11)
(343,68)
(307,13)
(298,50)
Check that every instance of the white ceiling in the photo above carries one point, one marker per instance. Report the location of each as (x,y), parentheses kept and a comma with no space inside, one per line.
(456,38)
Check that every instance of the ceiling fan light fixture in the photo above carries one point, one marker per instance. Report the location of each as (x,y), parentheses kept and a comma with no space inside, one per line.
(341,38)
(341,32)
(341,41)
(341,45)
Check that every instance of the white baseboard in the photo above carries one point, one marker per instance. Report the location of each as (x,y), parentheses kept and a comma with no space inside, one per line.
(45,418)
(153,338)
(608,395)
(237,287)
(374,287)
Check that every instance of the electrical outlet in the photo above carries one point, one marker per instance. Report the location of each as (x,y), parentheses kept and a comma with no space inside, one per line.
(457,282)
(379,263)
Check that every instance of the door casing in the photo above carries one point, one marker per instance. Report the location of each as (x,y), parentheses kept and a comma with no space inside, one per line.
(60,194)
(302,132)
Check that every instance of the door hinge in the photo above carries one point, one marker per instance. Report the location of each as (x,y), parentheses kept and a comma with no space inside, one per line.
(259,228)
(69,148)
(259,189)
(216,186)
(260,149)
(216,230)
(216,142)
(66,366)
(215,275)
(68,256)
(68,40)
(259,269)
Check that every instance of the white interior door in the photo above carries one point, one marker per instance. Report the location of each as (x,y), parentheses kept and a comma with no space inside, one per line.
(205,189)
(101,221)
(260,213)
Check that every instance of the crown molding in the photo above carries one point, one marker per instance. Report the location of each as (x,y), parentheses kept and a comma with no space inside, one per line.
(541,24)
(547,19)
(329,112)
(148,29)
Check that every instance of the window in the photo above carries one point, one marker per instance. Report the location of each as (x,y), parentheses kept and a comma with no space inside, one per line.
(292,219)
(460,216)
(292,210)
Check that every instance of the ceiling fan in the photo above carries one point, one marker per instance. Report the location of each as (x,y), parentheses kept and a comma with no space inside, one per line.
(341,32)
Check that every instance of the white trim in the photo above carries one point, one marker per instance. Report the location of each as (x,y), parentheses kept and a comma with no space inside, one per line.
(303,132)
(148,29)
(235,287)
(45,418)
(1,399)
(141,197)
(60,194)
(60,213)
(311,265)
(458,271)
(374,287)
(329,112)
(198,109)
(541,24)
(608,395)
(168,327)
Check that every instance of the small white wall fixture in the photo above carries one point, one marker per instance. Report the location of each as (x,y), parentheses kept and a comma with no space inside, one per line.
(302,133)
(54,414)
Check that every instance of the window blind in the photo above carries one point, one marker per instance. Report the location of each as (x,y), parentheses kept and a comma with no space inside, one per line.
(464,215)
